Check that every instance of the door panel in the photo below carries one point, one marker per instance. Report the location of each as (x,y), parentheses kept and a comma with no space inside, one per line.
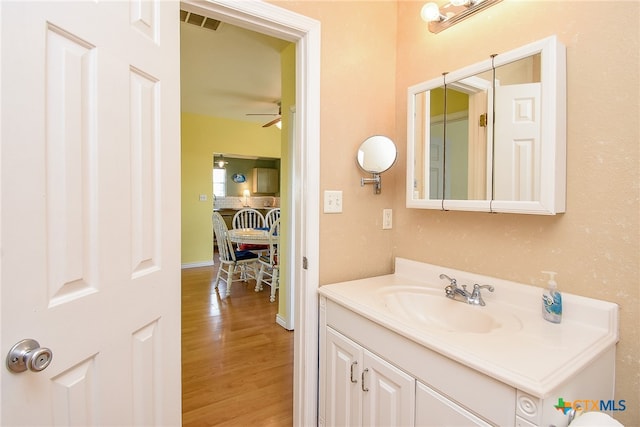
(517,149)
(433,409)
(390,399)
(90,211)
(343,389)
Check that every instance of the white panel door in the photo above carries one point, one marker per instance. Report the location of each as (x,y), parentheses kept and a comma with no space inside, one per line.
(389,397)
(343,380)
(90,211)
(517,142)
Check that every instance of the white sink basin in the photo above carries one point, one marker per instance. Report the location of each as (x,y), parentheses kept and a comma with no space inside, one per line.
(428,307)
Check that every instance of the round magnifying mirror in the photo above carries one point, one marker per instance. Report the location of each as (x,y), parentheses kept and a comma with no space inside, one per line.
(377,154)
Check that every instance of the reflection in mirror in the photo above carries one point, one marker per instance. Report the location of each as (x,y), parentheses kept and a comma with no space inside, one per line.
(423,105)
(375,155)
(517,91)
(458,144)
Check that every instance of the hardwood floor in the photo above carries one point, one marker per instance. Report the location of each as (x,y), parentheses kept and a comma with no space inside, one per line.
(237,363)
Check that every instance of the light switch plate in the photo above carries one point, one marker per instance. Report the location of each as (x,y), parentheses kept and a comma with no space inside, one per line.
(332,201)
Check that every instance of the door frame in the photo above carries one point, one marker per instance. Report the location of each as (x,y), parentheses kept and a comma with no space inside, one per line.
(304,185)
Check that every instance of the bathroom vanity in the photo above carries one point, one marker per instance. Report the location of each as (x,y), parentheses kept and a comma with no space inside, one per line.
(395,351)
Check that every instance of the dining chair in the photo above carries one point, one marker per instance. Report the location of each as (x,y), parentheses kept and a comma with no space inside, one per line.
(231,261)
(249,218)
(271,217)
(269,263)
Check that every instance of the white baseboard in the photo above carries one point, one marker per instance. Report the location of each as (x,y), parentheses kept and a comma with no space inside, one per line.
(197,264)
(283,322)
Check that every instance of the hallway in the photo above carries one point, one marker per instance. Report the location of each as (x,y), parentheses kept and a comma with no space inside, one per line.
(237,363)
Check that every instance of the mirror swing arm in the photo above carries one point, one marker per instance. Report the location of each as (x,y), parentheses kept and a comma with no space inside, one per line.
(375,180)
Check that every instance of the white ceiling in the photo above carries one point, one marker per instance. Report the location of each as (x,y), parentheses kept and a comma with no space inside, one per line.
(229,72)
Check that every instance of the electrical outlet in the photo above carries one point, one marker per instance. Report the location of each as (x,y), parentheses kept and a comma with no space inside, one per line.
(203,198)
(332,201)
(387,219)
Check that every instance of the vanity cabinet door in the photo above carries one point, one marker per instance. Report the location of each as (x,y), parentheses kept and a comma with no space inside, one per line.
(343,374)
(389,396)
(433,409)
(362,389)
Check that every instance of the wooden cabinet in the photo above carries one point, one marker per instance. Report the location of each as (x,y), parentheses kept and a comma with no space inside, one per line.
(265,180)
(363,389)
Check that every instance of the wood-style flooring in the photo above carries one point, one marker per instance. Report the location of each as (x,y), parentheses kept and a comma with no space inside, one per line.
(237,363)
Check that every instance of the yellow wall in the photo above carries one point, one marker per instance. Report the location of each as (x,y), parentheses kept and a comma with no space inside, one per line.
(288,70)
(201,137)
(373,50)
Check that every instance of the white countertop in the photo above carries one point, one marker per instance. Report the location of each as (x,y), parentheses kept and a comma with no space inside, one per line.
(535,357)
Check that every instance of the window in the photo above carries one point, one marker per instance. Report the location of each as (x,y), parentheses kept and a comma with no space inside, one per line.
(219,182)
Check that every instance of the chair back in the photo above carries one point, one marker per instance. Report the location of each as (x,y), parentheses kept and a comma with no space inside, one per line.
(271,217)
(274,239)
(248,218)
(225,248)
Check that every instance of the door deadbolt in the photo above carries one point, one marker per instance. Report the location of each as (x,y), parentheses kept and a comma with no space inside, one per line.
(28,355)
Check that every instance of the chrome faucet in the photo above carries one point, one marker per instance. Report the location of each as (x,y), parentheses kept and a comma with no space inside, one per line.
(474,298)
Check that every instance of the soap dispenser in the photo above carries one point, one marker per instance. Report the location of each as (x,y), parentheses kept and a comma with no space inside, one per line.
(552,300)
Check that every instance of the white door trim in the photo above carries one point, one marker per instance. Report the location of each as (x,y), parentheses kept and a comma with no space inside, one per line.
(304,237)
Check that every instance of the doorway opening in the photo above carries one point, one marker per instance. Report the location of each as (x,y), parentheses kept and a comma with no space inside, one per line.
(303,187)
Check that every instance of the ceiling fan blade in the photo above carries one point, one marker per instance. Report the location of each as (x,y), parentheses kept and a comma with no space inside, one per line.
(272,122)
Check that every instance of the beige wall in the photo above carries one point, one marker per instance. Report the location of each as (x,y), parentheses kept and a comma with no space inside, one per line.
(358,100)
(372,51)
(594,246)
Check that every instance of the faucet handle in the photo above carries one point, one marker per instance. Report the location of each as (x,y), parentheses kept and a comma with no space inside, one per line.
(451,280)
(476,287)
(476,297)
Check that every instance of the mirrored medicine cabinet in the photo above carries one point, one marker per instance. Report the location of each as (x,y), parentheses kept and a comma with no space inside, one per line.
(491,137)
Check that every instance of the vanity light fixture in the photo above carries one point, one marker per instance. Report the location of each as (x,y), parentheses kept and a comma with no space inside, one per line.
(442,17)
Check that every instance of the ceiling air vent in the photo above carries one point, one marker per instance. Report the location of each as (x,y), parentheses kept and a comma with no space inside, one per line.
(199,20)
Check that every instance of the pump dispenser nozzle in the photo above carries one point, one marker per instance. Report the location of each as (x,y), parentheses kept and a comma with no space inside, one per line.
(552,300)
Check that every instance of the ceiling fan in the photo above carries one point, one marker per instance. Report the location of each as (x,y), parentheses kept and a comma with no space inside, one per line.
(275,121)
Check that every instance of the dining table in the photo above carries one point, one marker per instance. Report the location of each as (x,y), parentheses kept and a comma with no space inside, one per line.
(249,236)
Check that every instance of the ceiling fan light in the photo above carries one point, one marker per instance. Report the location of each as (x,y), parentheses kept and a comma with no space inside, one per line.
(221,161)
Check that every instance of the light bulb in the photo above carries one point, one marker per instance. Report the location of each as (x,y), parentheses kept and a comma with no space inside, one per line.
(430,12)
